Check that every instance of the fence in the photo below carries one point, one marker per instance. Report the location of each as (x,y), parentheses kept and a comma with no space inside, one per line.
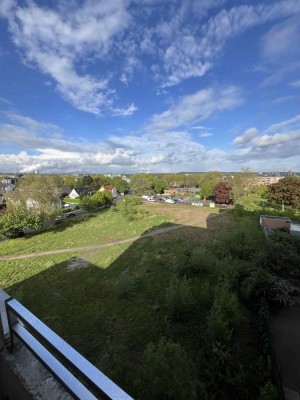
(55,353)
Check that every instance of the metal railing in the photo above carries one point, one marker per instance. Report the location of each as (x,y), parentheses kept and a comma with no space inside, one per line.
(55,353)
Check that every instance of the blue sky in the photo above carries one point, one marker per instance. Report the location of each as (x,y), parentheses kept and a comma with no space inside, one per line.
(149,85)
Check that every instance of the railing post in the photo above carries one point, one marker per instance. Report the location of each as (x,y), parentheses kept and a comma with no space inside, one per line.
(5,325)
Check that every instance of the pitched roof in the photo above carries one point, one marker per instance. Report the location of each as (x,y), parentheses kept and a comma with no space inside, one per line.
(108,187)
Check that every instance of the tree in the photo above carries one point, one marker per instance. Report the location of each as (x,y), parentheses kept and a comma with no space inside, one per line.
(40,193)
(208,182)
(286,192)
(14,221)
(222,193)
(159,185)
(121,185)
(141,183)
(241,184)
(102,198)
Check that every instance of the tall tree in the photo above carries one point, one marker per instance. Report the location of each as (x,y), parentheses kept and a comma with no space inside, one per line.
(121,185)
(208,182)
(285,192)
(141,183)
(241,184)
(38,192)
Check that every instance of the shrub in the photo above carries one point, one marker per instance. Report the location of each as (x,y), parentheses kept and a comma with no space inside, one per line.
(268,392)
(261,283)
(205,296)
(15,220)
(125,284)
(129,208)
(167,373)
(87,203)
(178,298)
(242,242)
(114,362)
(202,260)
(222,316)
(104,198)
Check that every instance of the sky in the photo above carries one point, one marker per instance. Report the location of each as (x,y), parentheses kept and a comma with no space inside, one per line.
(128,86)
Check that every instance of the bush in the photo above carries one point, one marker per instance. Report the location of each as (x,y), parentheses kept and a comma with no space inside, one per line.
(167,373)
(114,362)
(268,392)
(205,295)
(242,242)
(87,203)
(129,208)
(223,316)
(125,284)
(14,221)
(101,199)
(260,283)
(178,298)
(202,260)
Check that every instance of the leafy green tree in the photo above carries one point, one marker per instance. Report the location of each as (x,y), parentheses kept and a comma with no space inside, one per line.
(40,193)
(208,182)
(14,221)
(121,185)
(167,373)
(87,203)
(159,185)
(285,192)
(102,198)
(141,183)
(241,184)
(129,208)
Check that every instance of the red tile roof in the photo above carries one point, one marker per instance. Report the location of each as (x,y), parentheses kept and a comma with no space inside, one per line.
(109,187)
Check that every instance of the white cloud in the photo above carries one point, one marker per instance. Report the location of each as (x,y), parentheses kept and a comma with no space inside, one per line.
(246,137)
(200,127)
(205,134)
(295,84)
(276,147)
(198,106)
(55,40)
(278,142)
(124,112)
(280,44)
(193,52)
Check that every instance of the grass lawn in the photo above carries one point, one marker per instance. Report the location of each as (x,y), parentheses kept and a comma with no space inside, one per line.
(83,305)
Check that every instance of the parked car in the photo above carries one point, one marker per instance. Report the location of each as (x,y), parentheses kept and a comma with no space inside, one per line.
(170,201)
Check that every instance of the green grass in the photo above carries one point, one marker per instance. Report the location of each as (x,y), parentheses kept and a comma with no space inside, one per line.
(103,227)
(68,200)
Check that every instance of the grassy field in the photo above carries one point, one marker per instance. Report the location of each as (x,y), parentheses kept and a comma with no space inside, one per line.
(83,303)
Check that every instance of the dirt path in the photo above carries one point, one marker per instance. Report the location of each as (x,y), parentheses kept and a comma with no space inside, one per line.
(100,246)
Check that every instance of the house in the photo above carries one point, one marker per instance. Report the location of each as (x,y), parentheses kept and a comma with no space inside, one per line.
(75,193)
(270,223)
(110,188)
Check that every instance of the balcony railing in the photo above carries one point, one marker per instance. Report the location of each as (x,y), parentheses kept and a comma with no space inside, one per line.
(80,378)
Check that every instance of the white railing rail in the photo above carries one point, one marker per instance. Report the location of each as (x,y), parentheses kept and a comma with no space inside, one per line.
(62,360)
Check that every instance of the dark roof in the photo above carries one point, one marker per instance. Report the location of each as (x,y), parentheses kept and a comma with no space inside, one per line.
(64,189)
